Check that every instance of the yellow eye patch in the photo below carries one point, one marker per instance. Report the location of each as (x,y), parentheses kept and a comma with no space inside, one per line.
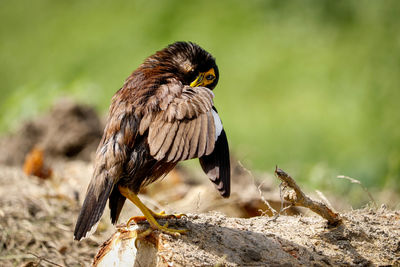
(204,78)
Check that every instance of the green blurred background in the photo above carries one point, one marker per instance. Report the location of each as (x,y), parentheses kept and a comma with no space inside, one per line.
(313,86)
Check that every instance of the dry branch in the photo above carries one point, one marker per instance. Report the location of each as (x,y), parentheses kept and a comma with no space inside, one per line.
(297,198)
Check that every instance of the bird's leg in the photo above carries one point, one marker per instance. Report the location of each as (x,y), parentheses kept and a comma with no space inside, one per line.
(148,214)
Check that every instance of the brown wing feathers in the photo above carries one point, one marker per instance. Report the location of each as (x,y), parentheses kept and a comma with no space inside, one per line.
(185,128)
(210,133)
(195,139)
(202,136)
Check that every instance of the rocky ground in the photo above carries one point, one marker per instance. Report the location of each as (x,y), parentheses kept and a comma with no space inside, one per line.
(37,219)
(37,215)
(365,238)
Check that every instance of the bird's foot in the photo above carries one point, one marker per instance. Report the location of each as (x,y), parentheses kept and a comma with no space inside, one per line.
(164,229)
(135,219)
(154,225)
(149,215)
(141,236)
(160,215)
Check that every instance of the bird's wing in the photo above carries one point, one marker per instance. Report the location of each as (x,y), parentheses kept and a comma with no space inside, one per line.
(184,128)
(188,126)
(217,165)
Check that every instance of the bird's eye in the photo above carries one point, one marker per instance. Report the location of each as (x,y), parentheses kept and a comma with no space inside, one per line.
(210,77)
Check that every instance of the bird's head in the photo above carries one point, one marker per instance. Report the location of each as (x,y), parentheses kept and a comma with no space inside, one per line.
(190,63)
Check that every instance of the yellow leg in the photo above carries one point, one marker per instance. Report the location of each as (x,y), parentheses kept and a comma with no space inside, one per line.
(148,214)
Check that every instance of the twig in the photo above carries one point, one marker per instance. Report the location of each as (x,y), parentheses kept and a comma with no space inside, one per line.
(273,211)
(298,198)
(265,201)
(324,199)
(44,259)
(355,181)
(15,256)
(282,209)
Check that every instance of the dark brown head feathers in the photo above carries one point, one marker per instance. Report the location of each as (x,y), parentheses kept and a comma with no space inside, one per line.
(181,60)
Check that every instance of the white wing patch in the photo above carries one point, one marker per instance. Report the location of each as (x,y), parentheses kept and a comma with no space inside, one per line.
(218,124)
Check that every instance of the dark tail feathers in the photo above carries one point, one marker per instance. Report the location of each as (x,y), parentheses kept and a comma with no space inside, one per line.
(92,209)
(115,203)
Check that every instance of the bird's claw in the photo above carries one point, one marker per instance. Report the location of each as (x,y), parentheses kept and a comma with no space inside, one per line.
(164,229)
(160,215)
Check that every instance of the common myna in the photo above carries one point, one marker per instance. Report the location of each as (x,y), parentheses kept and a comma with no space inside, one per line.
(163,114)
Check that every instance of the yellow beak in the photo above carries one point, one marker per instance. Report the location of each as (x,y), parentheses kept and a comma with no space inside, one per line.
(198,80)
(204,78)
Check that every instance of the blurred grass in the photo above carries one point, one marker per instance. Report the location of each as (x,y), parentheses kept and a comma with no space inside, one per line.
(312,86)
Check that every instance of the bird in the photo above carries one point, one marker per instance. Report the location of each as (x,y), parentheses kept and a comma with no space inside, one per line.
(163,114)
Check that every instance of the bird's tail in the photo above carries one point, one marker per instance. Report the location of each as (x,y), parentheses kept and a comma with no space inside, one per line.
(92,208)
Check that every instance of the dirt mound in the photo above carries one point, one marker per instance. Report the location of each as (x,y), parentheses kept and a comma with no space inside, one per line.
(37,219)
(69,130)
(367,237)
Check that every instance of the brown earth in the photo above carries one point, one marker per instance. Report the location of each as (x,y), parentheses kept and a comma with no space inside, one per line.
(37,216)
(37,219)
